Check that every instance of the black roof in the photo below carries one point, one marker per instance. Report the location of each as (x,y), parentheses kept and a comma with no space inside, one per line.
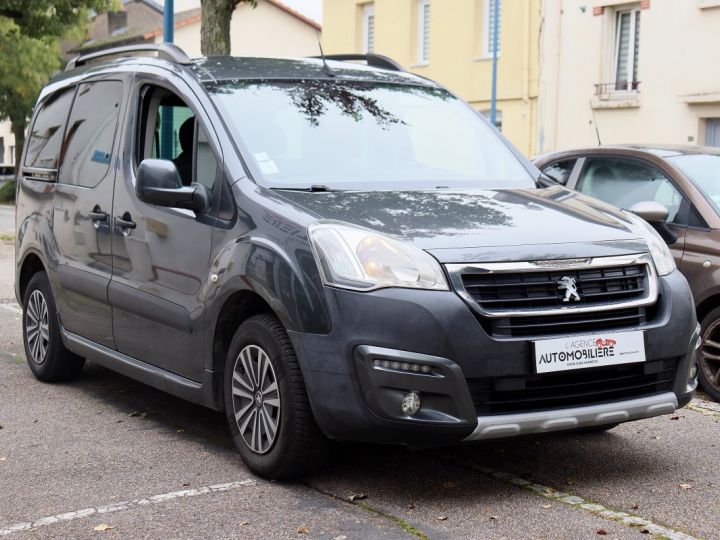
(223,68)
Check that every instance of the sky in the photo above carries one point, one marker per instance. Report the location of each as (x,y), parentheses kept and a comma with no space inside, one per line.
(309,8)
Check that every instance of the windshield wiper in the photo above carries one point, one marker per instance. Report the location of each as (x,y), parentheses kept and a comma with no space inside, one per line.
(315,188)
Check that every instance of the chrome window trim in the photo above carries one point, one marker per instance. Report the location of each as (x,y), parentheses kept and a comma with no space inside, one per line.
(455,271)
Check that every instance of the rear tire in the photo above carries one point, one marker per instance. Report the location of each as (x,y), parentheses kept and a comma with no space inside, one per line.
(266,403)
(709,358)
(46,354)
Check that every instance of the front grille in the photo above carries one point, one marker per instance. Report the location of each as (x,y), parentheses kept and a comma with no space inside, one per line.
(508,291)
(570,323)
(577,388)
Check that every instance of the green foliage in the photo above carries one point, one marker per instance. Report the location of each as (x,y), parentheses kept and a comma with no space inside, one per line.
(7,192)
(51,18)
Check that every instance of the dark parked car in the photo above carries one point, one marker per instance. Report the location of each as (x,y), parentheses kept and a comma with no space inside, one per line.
(685,181)
(332,251)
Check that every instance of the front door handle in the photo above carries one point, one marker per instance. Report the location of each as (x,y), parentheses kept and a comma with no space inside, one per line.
(125,223)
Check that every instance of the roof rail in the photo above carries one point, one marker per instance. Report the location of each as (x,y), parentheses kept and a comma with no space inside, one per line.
(167,51)
(374,60)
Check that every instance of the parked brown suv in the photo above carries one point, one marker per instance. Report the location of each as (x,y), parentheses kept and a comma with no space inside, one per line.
(685,180)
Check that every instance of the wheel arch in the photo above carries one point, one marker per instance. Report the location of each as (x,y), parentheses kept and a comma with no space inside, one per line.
(32,264)
(707,305)
(237,308)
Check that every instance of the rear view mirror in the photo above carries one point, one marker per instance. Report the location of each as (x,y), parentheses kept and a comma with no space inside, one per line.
(655,214)
(158,182)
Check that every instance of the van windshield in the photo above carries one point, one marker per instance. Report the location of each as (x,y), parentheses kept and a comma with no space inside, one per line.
(365,136)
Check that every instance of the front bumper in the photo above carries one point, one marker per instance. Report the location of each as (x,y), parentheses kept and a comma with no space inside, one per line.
(354,398)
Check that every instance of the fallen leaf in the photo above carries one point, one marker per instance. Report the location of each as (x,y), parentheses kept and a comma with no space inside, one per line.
(3,458)
(185,484)
(674,418)
(180,430)
(685,486)
(645,531)
(303,530)
(635,507)
(245,523)
(340,537)
(493,517)
(103,527)
(134,413)
(357,497)
(35,421)
(442,518)
(655,437)
(547,505)
(411,506)
(601,532)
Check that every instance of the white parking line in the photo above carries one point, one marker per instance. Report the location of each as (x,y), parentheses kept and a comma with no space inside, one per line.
(578,502)
(125,505)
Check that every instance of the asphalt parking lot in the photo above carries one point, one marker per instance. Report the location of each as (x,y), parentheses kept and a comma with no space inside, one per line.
(105,456)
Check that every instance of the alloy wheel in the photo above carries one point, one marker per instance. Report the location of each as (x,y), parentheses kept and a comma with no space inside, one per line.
(37,327)
(710,354)
(256,399)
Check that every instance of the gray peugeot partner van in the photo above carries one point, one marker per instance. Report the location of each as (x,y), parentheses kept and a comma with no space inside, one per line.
(332,250)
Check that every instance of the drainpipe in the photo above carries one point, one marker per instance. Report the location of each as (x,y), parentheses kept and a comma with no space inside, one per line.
(169,21)
(493,95)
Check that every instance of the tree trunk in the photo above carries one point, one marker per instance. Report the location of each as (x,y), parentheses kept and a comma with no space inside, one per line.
(215,26)
(18,129)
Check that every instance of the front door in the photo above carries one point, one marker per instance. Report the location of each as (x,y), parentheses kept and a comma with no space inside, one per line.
(82,210)
(161,256)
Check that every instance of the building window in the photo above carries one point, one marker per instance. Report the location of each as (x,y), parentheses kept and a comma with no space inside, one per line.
(712,132)
(369,28)
(488,33)
(423,31)
(627,46)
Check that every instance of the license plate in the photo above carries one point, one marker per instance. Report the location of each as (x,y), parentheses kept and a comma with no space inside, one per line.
(588,351)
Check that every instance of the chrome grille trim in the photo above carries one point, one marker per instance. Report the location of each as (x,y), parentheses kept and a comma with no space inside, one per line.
(456,271)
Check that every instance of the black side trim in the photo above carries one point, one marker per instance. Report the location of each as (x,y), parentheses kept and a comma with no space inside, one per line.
(200,393)
(91,285)
(149,307)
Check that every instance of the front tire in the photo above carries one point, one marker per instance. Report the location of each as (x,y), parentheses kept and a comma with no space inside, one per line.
(46,354)
(709,368)
(266,403)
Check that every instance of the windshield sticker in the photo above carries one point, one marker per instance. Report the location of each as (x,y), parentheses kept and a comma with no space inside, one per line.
(268,167)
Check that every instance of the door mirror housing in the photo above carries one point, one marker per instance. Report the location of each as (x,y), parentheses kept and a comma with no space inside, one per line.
(158,182)
(655,214)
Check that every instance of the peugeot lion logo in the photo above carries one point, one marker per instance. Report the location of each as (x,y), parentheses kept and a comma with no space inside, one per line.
(569,285)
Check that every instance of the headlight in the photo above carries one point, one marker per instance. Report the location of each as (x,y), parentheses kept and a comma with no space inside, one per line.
(664,261)
(361,259)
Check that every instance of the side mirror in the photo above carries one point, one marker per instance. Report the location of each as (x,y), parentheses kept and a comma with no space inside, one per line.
(656,215)
(158,182)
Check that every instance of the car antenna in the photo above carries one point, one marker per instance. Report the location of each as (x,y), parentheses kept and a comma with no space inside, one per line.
(597,131)
(326,69)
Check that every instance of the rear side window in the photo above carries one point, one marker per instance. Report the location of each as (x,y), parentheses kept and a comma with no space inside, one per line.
(560,170)
(91,133)
(47,132)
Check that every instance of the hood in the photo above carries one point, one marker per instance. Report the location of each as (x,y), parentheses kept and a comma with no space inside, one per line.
(459,226)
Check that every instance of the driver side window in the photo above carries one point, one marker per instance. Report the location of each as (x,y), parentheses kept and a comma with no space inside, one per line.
(170,131)
(625,182)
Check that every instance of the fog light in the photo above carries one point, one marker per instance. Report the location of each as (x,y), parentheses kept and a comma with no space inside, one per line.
(410,403)
(693,371)
(402,366)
